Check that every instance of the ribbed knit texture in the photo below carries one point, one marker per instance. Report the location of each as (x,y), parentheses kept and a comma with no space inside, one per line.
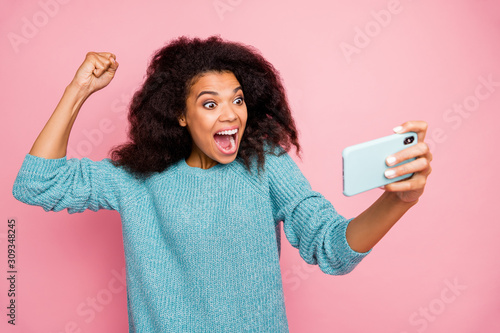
(201,246)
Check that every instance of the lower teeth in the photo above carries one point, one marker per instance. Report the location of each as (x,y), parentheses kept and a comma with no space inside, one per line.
(231,141)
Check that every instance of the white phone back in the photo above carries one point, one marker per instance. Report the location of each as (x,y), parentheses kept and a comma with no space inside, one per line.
(364,164)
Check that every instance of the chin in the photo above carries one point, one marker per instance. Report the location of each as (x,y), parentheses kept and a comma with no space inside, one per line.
(227,159)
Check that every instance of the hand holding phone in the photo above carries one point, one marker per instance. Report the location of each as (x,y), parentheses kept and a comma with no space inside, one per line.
(364,164)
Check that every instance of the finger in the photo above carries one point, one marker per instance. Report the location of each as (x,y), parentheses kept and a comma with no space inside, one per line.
(107,55)
(421,149)
(418,165)
(418,126)
(96,62)
(106,58)
(426,172)
(110,65)
(105,62)
(99,68)
(412,184)
(114,63)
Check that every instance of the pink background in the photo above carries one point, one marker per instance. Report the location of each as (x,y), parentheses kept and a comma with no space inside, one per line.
(436,271)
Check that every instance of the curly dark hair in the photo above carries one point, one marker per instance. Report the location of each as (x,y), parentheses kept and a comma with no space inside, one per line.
(156,140)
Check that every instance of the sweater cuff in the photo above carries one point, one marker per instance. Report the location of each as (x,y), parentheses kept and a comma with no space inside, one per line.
(344,247)
(41,165)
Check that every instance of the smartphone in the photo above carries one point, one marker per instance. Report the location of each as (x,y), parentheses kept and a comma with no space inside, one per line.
(363,165)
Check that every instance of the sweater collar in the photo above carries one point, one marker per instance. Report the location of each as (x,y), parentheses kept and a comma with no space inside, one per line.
(184,167)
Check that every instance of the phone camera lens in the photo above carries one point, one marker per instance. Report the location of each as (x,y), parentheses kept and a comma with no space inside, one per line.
(409,140)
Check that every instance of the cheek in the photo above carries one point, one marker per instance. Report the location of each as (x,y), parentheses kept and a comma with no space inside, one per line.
(244,117)
(201,130)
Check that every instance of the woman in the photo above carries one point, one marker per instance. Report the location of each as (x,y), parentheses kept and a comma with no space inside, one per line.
(202,186)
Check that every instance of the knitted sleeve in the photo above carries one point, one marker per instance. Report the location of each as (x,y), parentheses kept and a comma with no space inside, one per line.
(310,222)
(74,184)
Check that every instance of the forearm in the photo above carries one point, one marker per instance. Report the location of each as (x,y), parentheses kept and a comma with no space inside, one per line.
(52,141)
(366,230)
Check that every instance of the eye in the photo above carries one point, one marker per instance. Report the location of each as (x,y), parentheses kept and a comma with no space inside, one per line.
(239,101)
(210,105)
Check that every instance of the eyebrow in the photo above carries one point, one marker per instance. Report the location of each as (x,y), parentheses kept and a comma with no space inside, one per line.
(216,93)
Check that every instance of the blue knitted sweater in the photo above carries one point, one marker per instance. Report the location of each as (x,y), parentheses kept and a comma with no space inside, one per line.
(201,246)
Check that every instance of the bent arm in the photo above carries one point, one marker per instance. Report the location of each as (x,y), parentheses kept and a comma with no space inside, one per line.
(97,70)
(310,222)
(46,177)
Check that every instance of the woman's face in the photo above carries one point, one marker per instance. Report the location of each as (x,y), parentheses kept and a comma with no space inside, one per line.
(215,117)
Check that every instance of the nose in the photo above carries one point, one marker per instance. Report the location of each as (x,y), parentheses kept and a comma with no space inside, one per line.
(228,113)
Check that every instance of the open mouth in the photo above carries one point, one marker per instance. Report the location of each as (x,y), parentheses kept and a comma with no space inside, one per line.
(226,141)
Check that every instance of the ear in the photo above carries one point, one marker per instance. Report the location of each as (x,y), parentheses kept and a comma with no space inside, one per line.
(182,120)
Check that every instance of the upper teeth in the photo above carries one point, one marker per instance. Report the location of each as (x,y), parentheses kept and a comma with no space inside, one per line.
(230,132)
